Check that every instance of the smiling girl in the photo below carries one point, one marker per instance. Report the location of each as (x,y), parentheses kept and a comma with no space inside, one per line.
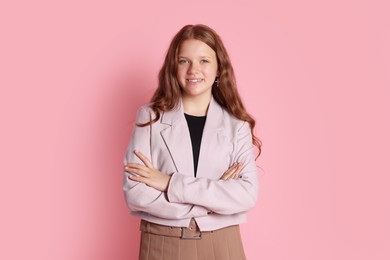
(190,172)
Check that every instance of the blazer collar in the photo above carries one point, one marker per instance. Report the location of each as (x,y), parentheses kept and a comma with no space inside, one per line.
(214,115)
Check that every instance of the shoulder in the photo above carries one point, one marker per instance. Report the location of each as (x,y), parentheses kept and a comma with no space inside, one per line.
(145,108)
(144,114)
(239,131)
(228,120)
(233,122)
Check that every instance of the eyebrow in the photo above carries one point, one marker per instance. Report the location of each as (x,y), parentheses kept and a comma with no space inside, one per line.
(199,57)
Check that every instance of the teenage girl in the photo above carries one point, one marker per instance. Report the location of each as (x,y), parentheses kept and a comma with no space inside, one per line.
(190,172)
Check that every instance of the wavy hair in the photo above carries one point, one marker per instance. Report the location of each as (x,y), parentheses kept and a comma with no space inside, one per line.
(167,95)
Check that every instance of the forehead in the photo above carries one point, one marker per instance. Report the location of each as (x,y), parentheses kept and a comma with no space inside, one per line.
(194,48)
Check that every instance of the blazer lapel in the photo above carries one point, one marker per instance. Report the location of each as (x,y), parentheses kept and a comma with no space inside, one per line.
(177,139)
(213,138)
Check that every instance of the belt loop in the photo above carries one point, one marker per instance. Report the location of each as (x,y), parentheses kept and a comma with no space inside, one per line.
(148,227)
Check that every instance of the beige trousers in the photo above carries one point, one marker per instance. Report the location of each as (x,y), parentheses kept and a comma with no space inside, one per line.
(160,242)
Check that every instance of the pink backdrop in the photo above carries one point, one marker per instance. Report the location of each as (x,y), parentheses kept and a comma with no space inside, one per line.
(315,74)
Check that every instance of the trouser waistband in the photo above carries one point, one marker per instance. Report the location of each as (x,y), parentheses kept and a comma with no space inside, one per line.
(190,232)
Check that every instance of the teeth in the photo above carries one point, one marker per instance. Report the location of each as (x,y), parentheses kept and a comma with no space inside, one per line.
(194,80)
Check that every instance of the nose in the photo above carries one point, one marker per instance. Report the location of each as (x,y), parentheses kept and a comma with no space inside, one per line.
(192,69)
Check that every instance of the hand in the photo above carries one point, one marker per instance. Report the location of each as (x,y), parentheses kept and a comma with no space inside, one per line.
(147,173)
(233,172)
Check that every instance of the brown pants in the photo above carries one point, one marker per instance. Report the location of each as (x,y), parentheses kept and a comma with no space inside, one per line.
(160,242)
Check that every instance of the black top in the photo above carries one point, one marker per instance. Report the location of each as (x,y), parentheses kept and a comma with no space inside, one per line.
(195,125)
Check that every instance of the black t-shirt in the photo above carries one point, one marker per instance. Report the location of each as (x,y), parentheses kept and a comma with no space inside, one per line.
(195,125)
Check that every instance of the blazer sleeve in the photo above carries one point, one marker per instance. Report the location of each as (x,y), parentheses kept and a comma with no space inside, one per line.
(140,197)
(222,196)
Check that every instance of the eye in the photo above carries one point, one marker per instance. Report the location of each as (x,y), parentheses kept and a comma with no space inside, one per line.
(204,61)
(182,61)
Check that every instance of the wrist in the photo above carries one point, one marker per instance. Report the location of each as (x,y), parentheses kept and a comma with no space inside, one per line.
(167,183)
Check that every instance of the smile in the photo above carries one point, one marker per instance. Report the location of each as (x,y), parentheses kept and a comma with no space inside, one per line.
(194,80)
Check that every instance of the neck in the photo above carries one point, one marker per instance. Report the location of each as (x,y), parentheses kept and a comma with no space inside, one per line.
(196,106)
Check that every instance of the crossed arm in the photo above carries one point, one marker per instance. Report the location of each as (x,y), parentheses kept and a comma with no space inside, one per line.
(146,173)
(180,196)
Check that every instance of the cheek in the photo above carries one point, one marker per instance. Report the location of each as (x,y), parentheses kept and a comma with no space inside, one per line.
(180,74)
(180,78)
(212,72)
(212,69)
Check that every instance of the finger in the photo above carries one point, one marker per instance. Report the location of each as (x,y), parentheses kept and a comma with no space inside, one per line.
(143,158)
(238,172)
(233,176)
(137,178)
(229,173)
(232,171)
(136,166)
(138,169)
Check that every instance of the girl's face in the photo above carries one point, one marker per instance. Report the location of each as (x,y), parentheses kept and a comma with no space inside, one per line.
(197,69)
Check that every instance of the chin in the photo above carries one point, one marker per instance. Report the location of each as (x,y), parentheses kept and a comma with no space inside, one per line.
(196,93)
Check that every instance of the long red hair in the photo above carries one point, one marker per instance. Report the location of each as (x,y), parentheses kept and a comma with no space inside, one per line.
(167,95)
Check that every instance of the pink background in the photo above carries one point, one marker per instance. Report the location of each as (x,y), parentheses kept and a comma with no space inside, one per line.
(315,74)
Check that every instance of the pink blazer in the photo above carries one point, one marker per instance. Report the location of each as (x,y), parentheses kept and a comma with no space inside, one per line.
(167,143)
